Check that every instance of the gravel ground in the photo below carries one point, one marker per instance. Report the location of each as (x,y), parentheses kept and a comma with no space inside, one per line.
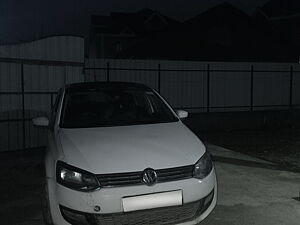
(281,146)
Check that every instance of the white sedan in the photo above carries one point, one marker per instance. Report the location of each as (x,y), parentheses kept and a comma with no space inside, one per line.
(118,154)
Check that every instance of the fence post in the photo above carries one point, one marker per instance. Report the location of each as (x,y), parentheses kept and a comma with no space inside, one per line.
(291,86)
(158,78)
(23,105)
(51,99)
(107,72)
(251,88)
(83,71)
(95,76)
(65,75)
(208,89)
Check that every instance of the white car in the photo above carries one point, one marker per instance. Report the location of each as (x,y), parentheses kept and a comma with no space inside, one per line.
(118,154)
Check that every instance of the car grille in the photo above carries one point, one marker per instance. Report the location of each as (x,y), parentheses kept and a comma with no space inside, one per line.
(135,178)
(166,215)
(158,216)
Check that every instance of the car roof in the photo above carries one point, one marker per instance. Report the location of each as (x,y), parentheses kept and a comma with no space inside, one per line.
(88,86)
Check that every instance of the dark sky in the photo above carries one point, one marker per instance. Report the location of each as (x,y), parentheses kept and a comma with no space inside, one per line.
(29,19)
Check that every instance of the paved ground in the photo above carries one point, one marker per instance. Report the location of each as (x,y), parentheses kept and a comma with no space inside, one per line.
(250,195)
(251,192)
(278,145)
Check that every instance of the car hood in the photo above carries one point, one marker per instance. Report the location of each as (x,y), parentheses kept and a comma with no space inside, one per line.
(130,148)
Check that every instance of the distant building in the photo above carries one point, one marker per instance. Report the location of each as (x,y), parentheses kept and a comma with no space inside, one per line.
(283,17)
(111,35)
(222,33)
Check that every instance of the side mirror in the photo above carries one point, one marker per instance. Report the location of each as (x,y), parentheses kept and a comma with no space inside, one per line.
(40,122)
(182,114)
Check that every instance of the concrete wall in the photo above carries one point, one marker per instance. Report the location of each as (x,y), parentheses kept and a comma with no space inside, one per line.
(58,48)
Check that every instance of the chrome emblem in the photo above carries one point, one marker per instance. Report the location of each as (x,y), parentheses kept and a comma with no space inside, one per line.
(149,176)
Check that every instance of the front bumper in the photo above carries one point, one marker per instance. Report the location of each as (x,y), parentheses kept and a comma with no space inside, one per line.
(199,199)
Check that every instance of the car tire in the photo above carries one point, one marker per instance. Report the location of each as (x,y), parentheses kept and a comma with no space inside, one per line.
(45,205)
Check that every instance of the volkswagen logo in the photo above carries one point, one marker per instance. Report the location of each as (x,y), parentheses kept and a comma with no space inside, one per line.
(149,176)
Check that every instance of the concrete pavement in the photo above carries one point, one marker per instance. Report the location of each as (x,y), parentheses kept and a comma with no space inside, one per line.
(251,192)
(250,195)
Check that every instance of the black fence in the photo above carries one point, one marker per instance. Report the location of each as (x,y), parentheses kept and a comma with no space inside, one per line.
(23,116)
(251,71)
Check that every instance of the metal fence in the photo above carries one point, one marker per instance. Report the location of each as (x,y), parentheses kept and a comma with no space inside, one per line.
(210,88)
(28,88)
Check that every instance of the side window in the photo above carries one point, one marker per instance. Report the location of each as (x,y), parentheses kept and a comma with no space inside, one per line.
(158,107)
(154,108)
(54,110)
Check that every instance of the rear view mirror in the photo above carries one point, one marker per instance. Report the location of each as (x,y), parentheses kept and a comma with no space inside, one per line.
(40,122)
(182,114)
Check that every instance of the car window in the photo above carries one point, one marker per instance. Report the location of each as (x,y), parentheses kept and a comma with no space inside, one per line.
(100,108)
(54,110)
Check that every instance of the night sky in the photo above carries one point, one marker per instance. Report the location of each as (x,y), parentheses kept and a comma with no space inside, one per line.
(26,20)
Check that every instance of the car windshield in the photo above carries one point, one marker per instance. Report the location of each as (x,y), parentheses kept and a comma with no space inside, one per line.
(104,108)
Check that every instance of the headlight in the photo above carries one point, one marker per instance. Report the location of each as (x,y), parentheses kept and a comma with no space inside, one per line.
(75,178)
(203,167)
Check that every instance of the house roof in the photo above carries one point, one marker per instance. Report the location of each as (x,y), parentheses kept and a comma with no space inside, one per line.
(196,36)
(224,12)
(222,33)
(138,22)
(281,8)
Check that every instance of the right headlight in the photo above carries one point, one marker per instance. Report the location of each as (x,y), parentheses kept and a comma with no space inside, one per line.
(203,167)
(75,178)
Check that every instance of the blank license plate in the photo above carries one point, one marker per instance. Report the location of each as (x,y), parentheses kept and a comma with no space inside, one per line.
(150,201)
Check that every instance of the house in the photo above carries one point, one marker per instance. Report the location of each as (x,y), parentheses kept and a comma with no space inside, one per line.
(222,33)
(113,34)
(283,17)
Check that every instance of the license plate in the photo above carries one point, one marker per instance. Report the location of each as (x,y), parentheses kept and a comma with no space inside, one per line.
(151,201)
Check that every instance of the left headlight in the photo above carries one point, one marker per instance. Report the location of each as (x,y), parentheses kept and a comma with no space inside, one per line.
(75,178)
(203,167)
